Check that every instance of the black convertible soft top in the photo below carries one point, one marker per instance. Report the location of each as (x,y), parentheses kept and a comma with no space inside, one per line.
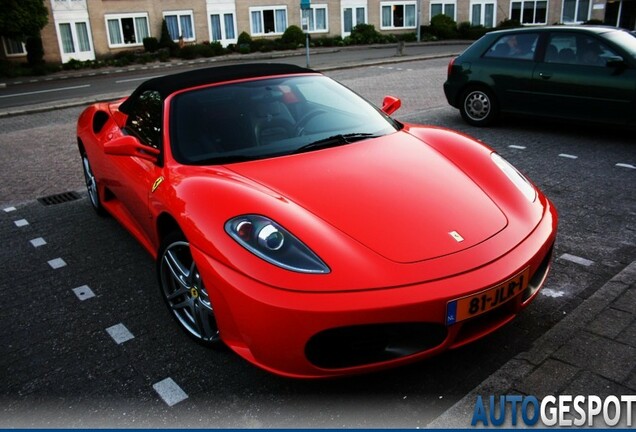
(168,84)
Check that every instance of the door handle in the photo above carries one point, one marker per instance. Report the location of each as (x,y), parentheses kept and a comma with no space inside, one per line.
(545,75)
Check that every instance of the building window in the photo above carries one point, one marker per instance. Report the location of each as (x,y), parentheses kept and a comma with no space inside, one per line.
(74,41)
(13,47)
(482,14)
(180,25)
(529,12)
(445,8)
(316,18)
(398,15)
(222,27)
(575,11)
(128,29)
(268,20)
(352,16)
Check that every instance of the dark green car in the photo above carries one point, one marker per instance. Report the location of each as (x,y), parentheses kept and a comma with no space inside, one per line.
(569,72)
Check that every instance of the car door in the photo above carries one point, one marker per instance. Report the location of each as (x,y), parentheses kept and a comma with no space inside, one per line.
(507,67)
(134,177)
(575,80)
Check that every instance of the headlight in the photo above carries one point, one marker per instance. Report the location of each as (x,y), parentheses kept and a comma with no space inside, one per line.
(522,183)
(273,243)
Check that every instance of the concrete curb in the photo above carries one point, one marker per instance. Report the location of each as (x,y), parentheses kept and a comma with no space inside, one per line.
(524,364)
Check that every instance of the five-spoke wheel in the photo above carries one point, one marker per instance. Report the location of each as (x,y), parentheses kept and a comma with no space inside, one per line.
(184,291)
(91,186)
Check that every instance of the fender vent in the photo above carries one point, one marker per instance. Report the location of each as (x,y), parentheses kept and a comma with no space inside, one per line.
(59,198)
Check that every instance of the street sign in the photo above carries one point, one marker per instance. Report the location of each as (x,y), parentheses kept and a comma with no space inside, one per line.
(305,4)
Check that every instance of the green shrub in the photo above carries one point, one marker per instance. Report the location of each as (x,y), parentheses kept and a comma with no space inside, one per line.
(443,27)
(35,51)
(293,36)
(188,52)
(364,34)
(510,23)
(151,44)
(165,41)
(244,38)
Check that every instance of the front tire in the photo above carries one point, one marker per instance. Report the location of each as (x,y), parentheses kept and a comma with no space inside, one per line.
(91,186)
(184,292)
(479,107)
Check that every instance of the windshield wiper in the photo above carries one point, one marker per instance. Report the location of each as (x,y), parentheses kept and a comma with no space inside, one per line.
(334,141)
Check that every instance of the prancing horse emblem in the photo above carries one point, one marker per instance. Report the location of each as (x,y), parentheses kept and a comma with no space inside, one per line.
(455,235)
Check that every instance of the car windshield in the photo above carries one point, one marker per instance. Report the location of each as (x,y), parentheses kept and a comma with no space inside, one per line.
(264,118)
(624,40)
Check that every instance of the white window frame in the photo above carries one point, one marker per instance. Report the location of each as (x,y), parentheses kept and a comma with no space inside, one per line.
(179,14)
(398,3)
(225,41)
(261,9)
(444,3)
(119,17)
(312,10)
(88,54)
(483,4)
(576,12)
(533,23)
(354,16)
(5,41)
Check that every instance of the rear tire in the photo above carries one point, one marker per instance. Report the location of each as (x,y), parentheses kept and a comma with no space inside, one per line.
(479,107)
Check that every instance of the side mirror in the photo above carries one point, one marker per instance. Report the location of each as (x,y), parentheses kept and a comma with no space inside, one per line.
(128,145)
(615,62)
(391,104)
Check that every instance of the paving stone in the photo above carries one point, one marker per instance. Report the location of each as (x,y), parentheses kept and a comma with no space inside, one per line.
(610,323)
(587,383)
(603,356)
(547,379)
(628,336)
(627,301)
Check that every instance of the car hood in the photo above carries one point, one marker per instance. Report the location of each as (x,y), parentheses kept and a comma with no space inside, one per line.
(394,194)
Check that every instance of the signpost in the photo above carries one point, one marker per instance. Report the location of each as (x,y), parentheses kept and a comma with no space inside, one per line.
(305,7)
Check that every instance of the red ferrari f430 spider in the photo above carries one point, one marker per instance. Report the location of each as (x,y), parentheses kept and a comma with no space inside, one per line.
(308,230)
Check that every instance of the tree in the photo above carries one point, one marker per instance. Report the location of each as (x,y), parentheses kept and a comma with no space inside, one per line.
(20,19)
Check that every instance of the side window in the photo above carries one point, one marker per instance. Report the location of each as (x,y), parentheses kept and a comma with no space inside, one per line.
(519,46)
(144,120)
(576,49)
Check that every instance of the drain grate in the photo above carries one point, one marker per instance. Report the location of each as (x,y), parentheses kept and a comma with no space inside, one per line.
(59,198)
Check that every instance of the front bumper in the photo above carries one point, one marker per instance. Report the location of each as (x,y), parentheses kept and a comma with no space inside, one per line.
(313,335)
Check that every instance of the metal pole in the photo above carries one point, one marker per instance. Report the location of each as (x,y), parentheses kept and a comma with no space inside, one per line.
(307,47)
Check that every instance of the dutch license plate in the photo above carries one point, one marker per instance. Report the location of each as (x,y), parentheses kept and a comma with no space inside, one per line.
(474,305)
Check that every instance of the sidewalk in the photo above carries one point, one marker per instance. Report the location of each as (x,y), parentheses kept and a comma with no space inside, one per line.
(590,352)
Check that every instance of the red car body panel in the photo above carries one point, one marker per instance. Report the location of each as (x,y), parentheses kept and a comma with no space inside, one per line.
(378,216)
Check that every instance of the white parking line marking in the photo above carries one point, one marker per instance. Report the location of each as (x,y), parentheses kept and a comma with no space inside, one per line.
(568,156)
(57,263)
(21,223)
(83,292)
(624,165)
(170,392)
(119,333)
(577,260)
(37,242)
(552,293)
(517,147)
(10,209)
